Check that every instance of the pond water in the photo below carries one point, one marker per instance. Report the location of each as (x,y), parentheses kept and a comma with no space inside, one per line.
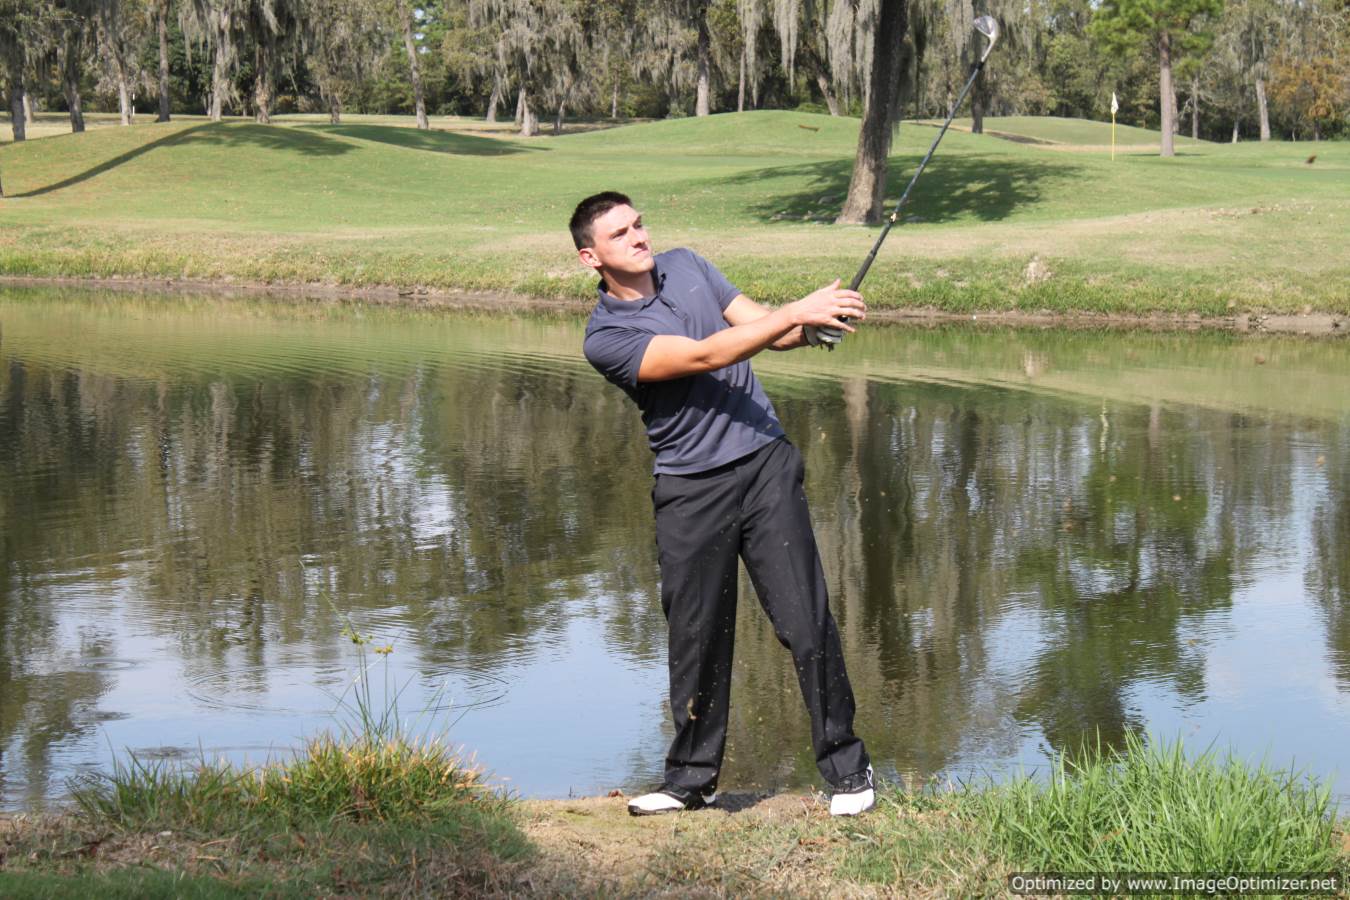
(1031,538)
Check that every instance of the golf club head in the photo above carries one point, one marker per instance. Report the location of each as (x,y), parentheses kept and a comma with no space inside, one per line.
(987,26)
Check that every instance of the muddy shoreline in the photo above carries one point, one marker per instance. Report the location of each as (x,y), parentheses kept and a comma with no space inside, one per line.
(1316,324)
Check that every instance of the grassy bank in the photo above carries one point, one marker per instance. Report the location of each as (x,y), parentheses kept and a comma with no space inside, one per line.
(996,225)
(404,820)
(347,816)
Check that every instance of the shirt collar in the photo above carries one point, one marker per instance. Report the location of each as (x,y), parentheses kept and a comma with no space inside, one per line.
(615,305)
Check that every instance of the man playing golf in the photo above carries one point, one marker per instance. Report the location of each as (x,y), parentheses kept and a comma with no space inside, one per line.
(676,336)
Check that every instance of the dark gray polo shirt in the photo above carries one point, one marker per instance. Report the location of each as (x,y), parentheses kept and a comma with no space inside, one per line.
(698,422)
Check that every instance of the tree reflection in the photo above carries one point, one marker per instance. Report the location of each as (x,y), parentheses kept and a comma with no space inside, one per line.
(1003,561)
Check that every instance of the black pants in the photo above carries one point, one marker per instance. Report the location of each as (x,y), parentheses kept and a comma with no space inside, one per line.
(754,508)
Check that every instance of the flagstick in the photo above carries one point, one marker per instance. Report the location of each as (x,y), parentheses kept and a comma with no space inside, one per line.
(1115,105)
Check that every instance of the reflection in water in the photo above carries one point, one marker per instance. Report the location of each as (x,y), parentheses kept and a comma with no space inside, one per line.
(1031,538)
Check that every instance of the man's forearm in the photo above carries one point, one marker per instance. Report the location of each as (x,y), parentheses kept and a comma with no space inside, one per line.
(790,341)
(731,345)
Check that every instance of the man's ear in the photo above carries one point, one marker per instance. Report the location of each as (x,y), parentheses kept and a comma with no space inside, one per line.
(588,258)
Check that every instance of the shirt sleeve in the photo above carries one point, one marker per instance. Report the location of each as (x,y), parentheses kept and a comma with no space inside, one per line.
(617,352)
(721,288)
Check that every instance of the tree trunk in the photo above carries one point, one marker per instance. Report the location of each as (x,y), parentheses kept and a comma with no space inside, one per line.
(1195,108)
(1317,130)
(494,100)
(334,108)
(867,187)
(558,119)
(163,25)
(520,106)
(414,70)
(831,101)
(219,73)
(702,107)
(529,119)
(977,106)
(740,90)
(123,95)
(28,107)
(262,81)
(1167,97)
(72,53)
(72,86)
(1262,110)
(614,101)
(1235,131)
(16,117)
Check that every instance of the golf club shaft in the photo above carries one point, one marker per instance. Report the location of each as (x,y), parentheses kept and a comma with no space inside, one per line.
(895,216)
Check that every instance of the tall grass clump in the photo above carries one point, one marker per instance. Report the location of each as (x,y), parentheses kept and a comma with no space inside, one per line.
(1150,808)
(374,768)
(368,805)
(1145,807)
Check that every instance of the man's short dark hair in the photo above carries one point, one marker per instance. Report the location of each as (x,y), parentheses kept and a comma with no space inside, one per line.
(590,209)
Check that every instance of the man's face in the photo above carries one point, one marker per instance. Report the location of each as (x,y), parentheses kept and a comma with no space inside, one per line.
(619,243)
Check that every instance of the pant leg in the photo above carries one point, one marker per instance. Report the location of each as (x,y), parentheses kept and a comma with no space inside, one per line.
(779,547)
(698,536)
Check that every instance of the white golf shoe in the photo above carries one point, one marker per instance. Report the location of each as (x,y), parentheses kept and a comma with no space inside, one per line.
(669,798)
(854,794)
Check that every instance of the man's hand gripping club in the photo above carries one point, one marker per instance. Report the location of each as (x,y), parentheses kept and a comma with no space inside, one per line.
(827,334)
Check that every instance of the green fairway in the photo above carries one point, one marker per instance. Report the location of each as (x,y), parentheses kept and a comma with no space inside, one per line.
(1072,132)
(996,225)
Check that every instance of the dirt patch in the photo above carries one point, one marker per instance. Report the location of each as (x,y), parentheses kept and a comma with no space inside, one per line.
(778,845)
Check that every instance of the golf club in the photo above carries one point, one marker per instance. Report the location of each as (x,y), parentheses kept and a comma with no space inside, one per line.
(987,26)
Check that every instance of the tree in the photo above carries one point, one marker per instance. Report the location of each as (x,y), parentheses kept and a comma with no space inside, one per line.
(19,24)
(867,186)
(404,14)
(693,14)
(1244,39)
(68,25)
(344,42)
(161,11)
(1310,76)
(1313,89)
(1170,26)
(219,25)
(120,30)
(274,26)
(541,46)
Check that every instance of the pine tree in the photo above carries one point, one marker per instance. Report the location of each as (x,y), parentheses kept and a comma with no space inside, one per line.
(1172,27)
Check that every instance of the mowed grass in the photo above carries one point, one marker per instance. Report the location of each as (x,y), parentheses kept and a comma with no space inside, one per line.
(1074,132)
(993,225)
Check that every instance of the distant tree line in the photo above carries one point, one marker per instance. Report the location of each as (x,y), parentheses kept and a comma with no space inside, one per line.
(1225,68)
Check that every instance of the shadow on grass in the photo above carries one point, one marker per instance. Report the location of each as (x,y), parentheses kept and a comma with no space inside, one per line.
(987,188)
(449,142)
(267,137)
